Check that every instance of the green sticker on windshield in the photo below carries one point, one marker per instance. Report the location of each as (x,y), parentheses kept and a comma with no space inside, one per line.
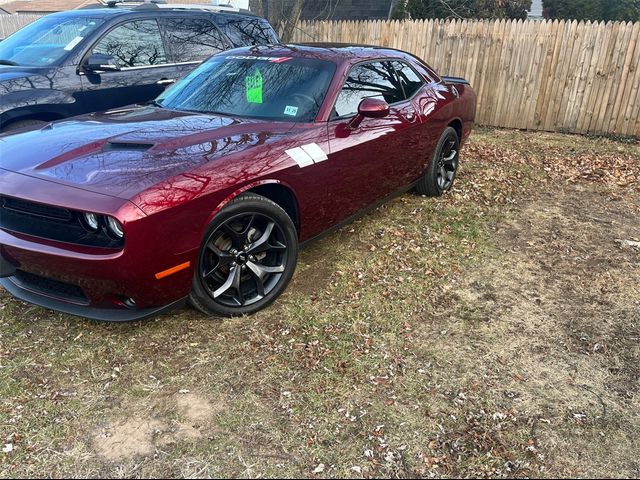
(253,85)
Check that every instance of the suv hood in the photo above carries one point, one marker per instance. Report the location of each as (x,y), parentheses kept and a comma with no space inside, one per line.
(15,78)
(123,152)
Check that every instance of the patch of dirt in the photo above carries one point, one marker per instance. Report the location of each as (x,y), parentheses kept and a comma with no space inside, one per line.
(130,438)
(197,412)
(139,437)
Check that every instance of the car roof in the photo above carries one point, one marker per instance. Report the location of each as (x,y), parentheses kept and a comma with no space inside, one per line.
(335,52)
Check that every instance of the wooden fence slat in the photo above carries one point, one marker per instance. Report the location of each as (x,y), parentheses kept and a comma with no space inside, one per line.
(630,65)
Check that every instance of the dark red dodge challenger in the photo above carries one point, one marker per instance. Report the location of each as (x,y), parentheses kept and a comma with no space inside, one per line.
(206,193)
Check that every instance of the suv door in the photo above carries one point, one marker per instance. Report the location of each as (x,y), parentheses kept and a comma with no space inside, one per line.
(145,68)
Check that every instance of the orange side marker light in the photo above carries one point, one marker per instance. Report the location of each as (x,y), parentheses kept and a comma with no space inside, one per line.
(172,270)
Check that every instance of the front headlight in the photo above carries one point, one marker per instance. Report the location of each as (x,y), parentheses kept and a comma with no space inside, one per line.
(90,221)
(114,228)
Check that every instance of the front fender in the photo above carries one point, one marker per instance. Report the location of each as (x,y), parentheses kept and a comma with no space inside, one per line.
(239,192)
(34,101)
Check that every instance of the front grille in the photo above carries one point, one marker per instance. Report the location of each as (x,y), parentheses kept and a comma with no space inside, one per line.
(51,223)
(36,209)
(48,286)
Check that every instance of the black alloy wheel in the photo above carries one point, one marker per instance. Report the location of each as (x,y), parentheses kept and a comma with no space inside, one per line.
(447,163)
(442,169)
(247,258)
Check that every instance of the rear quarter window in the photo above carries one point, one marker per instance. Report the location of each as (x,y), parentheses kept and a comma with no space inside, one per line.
(248,31)
(426,71)
(191,39)
(408,78)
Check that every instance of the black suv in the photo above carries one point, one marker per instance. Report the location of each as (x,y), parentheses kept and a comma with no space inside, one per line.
(98,58)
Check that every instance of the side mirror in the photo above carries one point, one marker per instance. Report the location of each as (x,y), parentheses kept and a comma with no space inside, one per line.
(373,108)
(99,62)
(369,108)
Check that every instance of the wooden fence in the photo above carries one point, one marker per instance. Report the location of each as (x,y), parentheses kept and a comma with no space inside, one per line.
(555,76)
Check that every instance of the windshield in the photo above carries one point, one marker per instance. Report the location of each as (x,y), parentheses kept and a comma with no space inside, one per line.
(46,41)
(280,88)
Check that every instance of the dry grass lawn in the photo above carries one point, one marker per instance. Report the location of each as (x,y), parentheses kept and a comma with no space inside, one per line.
(492,332)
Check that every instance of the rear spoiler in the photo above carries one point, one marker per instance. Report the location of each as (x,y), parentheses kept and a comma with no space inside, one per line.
(455,80)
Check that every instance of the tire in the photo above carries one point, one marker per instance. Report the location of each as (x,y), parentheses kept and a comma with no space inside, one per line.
(441,171)
(18,124)
(247,258)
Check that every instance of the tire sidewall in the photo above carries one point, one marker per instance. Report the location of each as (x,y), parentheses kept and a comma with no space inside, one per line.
(244,204)
(428,184)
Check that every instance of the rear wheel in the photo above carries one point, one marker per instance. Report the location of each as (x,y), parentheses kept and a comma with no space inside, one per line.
(441,171)
(247,258)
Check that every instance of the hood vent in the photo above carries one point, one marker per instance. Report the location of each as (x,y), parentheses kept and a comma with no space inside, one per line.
(126,146)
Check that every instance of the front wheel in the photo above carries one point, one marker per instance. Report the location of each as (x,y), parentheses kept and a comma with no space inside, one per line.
(247,258)
(442,169)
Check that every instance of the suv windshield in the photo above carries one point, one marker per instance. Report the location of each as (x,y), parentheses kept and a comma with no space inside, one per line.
(280,88)
(46,41)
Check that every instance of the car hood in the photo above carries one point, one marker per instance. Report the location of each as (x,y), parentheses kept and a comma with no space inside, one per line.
(122,152)
(13,78)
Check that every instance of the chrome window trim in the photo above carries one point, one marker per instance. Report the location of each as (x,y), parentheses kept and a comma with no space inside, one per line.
(124,69)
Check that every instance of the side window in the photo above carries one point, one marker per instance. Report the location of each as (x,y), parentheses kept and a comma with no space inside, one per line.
(191,39)
(248,31)
(368,80)
(134,44)
(426,72)
(410,80)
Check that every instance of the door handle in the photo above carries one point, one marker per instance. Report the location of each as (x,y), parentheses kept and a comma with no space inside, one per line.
(166,81)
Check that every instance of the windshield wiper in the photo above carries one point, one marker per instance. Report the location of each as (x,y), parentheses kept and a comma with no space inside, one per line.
(8,62)
(155,104)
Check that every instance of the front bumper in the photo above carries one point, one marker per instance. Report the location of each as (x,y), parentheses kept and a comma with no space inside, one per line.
(22,292)
(86,284)
(6,268)
(93,282)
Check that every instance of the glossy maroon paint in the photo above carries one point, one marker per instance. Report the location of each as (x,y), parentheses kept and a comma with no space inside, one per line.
(166,196)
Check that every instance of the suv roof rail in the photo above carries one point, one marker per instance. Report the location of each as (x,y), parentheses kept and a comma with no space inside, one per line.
(115,3)
(145,4)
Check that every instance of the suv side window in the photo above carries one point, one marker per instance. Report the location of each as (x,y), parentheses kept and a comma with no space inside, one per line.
(410,80)
(134,44)
(248,31)
(368,80)
(191,39)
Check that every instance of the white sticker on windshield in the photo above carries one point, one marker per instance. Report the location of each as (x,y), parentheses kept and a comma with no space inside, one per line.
(289,110)
(73,43)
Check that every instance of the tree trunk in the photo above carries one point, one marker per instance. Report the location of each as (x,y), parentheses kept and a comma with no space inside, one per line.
(289,25)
